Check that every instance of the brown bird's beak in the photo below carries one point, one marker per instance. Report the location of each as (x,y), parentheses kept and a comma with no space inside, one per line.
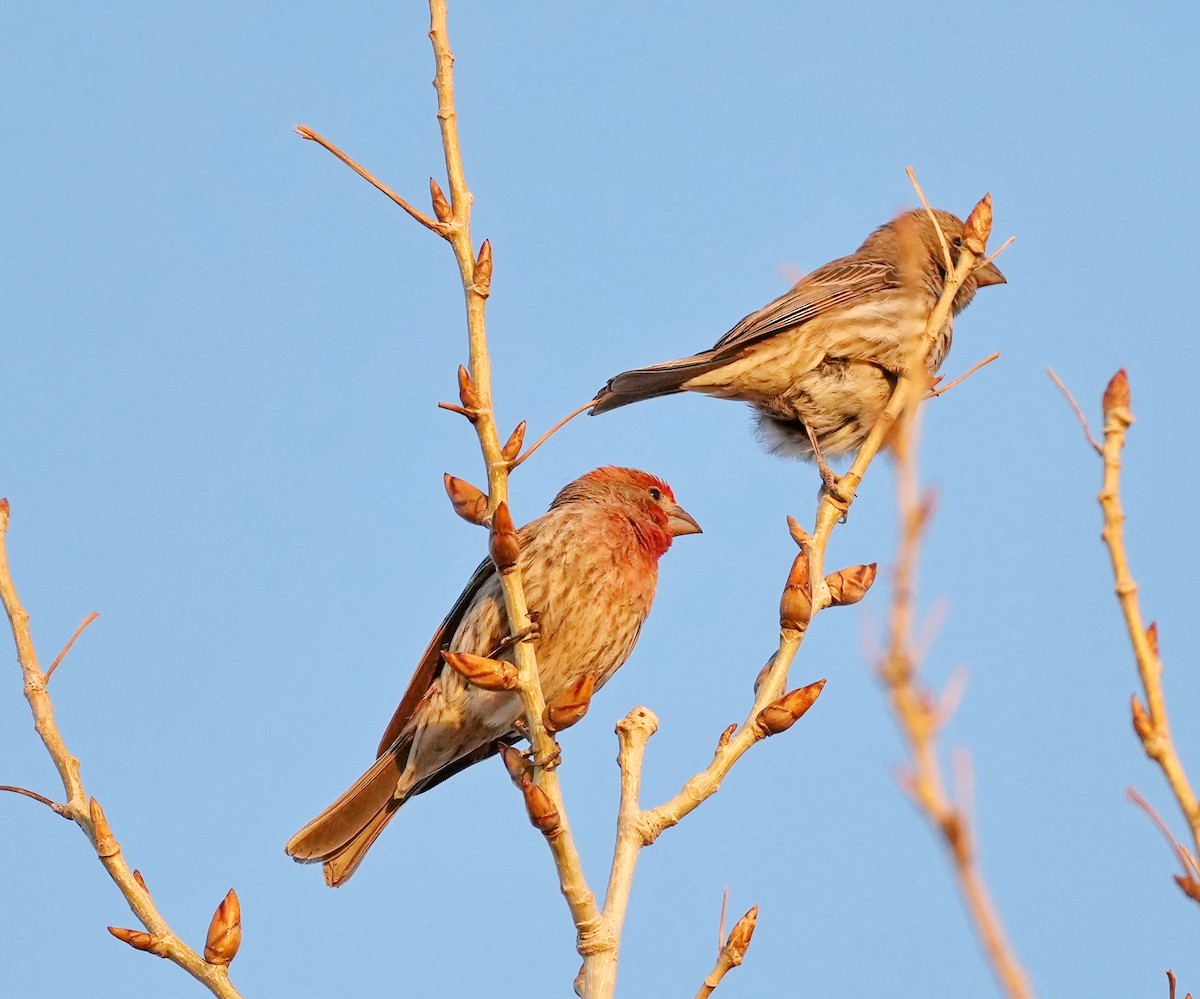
(680,522)
(989,274)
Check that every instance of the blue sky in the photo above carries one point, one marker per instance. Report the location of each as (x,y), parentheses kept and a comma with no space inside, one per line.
(222,357)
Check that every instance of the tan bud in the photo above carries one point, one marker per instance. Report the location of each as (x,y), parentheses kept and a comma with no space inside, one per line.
(515,763)
(139,940)
(469,502)
(512,447)
(780,715)
(137,876)
(467,393)
(483,270)
(542,812)
(441,207)
(795,606)
(106,845)
(978,226)
(225,931)
(505,545)
(849,586)
(798,533)
(570,705)
(487,674)
(726,736)
(1143,725)
(739,937)
(5,509)
(1189,886)
(1116,393)
(1152,637)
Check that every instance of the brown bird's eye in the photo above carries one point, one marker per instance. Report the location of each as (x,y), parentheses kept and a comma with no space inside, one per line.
(655,493)
(957,242)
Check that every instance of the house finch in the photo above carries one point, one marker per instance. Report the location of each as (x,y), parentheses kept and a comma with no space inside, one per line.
(590,566)
(821,361)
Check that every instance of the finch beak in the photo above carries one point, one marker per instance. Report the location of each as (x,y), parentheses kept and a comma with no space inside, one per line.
(679,522)
(989,274)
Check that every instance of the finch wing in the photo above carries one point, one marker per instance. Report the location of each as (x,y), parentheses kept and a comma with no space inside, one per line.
(836,284)
(431,663)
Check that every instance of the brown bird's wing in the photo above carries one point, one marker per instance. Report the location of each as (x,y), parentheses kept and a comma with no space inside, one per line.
(836,284)
(430,664)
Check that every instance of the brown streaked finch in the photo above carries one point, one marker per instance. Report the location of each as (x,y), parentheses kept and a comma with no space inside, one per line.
(821,361)
(590,568)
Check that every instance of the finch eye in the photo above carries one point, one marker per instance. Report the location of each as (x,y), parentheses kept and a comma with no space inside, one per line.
(655,493)
(957,242)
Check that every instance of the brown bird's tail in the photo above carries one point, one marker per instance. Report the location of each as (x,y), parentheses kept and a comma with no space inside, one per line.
(649,383)
(341,835)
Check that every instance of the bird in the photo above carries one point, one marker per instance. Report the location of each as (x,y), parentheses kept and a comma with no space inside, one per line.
(820,362)
(590,569)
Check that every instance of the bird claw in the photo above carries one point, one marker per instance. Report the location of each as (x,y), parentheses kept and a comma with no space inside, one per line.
(532,633)
(549,762)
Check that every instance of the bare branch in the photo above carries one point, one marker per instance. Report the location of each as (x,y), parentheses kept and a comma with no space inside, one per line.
(70,641)
(1087,431)
(943,389)
(54,806)
(307,133)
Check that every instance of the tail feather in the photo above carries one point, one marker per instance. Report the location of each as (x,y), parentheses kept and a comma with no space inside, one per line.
(341,834)
(653,381)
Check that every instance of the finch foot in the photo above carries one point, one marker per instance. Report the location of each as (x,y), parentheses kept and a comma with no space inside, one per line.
(529,634)
(549,762)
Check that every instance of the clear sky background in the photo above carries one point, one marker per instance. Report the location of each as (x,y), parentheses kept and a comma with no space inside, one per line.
(222,356)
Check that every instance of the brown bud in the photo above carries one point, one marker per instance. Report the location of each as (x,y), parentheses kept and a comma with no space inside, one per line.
(137,876)
(795,606)
(225,931)
(542,812)
(106,845)
(5,509)
(798,533)
(441,207)
(849,586)
(978,226)
(780,715)
(739,937)
(139,940)
(1152,637)
(726,736)
(483,270)
(1189,886)
(1143,725)
(469,502)
(512,446)
(467,393)
(1116,393)
(505,545)
(570,705)
(515,763)
(487,674)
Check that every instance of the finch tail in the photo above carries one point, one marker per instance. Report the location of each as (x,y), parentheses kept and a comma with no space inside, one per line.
(341,835)
(649,383)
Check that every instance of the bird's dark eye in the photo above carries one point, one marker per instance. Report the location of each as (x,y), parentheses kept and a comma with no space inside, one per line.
(655,493)
(956,242)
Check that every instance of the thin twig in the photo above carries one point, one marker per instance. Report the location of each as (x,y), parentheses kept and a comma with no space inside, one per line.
(85,811)
(54,806)
(70,641)
(943,389)
(1182,853)
(1151,724)
(431,224)
(732,953)
(992,257)
(912,177)
(920,717)
(1087,431)
(550,433)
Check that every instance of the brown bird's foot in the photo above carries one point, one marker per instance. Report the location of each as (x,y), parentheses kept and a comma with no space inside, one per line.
(828,478)
(530,634)
(549,762)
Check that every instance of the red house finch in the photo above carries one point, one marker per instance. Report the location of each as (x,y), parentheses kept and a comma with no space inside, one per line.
(820,362)
(590,566)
